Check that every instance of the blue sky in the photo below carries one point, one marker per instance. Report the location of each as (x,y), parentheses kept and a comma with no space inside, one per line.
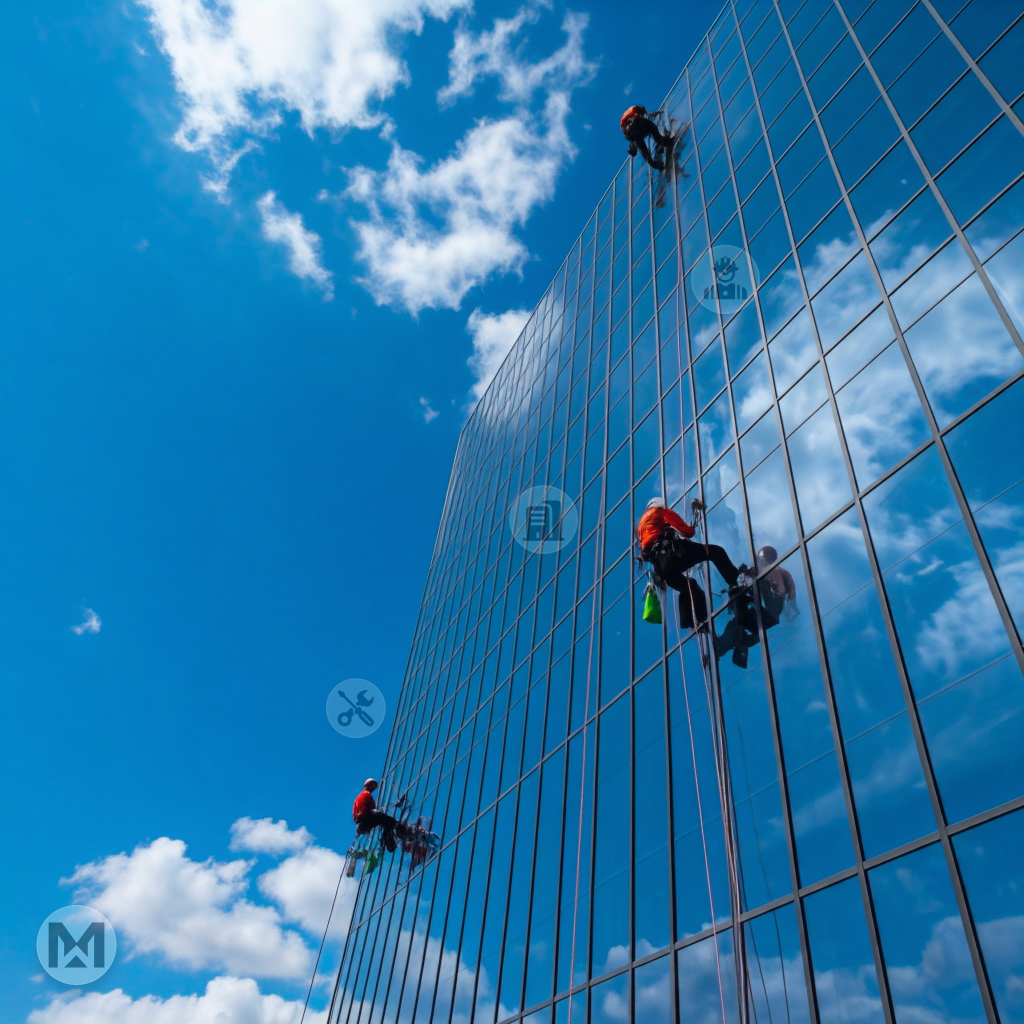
(246,265)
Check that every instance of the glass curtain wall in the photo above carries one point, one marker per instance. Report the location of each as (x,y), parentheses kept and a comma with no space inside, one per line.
(823,819)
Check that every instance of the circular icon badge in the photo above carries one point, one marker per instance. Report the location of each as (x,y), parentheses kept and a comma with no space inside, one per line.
(725,280)
(543,519)
(76,945)
(355,708)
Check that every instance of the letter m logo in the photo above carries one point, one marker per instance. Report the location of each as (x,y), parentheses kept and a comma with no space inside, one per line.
(94,933)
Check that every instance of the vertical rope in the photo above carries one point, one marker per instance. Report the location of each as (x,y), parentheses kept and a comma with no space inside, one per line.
(700,816)
(583,766)
(327,926)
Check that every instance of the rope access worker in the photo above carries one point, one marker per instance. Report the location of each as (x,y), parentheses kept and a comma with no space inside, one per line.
(637,126)
(367,817)
(664,539)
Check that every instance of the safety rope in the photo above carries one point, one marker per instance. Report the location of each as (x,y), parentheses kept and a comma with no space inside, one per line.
(583,765)
(718,747)
(705,658)
(700,815)
(327,926)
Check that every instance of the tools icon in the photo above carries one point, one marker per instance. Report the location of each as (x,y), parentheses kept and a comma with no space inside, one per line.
(356,708)
(345,718)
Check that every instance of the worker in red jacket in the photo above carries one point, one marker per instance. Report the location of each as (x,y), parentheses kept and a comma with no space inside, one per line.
(637,126)
(367,817)
(664,539)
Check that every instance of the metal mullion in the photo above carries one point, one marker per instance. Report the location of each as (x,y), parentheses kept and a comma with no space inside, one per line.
(766,908)
(945,30)
(487,889)
(769,675)
(389,967)
(930,179)
(967,922)
(529,898)
(961,499)
(980,819)
(929,776)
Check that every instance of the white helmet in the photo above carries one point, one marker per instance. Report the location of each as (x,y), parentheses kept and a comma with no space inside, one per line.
(656,503)
(370,784)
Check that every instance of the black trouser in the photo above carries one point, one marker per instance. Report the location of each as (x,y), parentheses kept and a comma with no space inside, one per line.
(671,557)
(638,131)
(370,820)
(741,633)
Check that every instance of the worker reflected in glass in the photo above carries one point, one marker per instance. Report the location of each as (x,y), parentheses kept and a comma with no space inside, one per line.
(367,817)
(638,126)
(665,542)
(777,594)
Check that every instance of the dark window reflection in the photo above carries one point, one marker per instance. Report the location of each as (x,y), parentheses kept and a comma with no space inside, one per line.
(931,975)
(844,969)
(993,871)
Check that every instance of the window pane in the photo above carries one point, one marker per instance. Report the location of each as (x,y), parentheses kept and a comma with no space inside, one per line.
(652,992)
(881,415)
(958,117)
(962,351)
(923,940)
(910,239)
(964,678)
(775,968)
(698,973)
(828,248)
(771,510)
(993,873)
(926,79)
(885,771)
(991,163)
(609,1001)
(992,475)
(844,969)
(819,471)
(844,300)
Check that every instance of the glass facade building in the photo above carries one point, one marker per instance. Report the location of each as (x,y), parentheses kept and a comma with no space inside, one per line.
(818,330)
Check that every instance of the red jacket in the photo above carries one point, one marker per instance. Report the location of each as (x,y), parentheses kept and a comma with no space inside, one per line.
(629,115)
(363,803)
(657,521)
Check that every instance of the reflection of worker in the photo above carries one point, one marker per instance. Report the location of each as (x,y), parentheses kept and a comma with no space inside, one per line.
(665,542)
(777,589)
(777,592)
(637,126)
(367,817)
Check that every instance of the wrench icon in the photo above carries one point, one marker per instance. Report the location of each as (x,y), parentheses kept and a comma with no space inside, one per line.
(345,718)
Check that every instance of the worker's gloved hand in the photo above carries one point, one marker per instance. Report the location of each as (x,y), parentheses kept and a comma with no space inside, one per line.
(632,149)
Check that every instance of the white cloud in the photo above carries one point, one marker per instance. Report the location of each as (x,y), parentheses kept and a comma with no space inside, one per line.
(239,66)
(305,248)
(92,623)
(475,56)
(429,413)
(303,887)
(192,913)
(433,235)
(238,1000)
(493,334)
(268,836)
